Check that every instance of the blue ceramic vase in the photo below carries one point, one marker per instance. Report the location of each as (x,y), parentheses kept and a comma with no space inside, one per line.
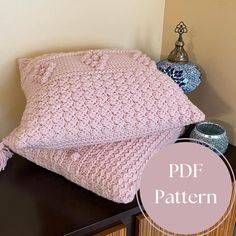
(186,75)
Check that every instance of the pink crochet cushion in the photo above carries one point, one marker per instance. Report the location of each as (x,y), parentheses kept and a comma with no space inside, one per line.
(97,97)
(112,170)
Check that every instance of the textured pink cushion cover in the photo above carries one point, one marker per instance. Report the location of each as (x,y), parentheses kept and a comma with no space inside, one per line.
(97,97)
(110,170)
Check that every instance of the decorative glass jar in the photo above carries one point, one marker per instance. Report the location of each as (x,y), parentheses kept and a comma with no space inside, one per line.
(211,133)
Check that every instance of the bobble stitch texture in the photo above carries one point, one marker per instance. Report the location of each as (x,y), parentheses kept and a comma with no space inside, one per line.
(43,71)
(97,97)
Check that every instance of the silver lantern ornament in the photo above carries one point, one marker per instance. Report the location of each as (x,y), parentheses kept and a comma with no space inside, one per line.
(186,74)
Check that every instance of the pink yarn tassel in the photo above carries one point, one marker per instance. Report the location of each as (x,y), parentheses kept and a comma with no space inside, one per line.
(5,154)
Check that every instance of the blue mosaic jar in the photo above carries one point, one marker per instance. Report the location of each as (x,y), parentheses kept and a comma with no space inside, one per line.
(211,133)
(186,74)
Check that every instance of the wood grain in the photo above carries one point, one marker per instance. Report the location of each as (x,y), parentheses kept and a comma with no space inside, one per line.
(144,228)
(118,230)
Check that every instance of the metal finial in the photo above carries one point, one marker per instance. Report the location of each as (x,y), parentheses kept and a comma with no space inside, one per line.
(181,28)
(179,54)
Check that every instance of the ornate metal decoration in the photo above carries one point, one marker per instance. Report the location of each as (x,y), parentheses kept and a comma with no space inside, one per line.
(181,28)
(179,54)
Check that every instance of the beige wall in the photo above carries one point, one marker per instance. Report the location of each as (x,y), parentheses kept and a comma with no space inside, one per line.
(211,42)
(33,27)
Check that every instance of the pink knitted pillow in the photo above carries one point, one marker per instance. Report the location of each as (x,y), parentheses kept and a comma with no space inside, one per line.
(112,170)
(99,96)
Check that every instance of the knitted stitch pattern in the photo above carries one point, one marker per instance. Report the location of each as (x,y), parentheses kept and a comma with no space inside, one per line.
(112,170)
(97,97)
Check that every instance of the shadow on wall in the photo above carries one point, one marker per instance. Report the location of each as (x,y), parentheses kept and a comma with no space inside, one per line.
(208,99)
(205,96)
(146,40)
(12,99)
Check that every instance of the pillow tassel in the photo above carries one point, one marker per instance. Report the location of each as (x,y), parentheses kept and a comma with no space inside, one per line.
(5,154)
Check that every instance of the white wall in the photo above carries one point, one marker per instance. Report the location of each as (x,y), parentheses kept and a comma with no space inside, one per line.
(32,27)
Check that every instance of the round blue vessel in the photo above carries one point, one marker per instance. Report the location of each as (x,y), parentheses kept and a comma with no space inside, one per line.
(211,133)
(186,75)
